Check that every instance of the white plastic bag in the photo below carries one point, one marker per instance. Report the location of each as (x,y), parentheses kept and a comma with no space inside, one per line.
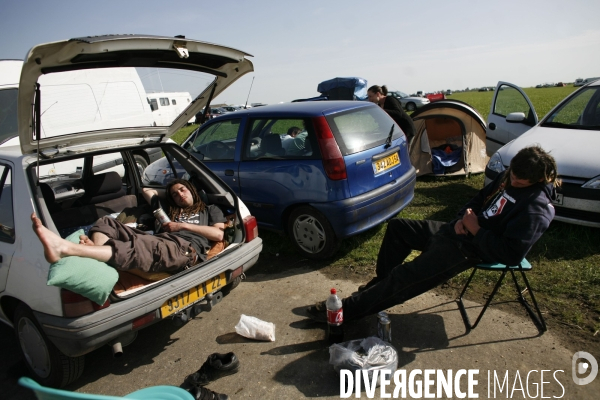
(368,354)
(254,328)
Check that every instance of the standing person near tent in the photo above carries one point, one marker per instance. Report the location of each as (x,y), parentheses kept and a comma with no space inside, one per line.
(499,225)
(378,95)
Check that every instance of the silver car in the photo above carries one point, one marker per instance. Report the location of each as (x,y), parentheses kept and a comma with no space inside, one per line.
(53,171)
(570,132)
(410,103)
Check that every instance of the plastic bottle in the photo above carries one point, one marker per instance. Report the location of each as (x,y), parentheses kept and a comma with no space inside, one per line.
(335,318)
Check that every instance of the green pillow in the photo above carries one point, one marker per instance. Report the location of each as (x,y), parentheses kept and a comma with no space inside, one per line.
(85,276)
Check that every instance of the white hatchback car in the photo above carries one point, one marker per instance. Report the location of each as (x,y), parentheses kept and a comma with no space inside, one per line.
(570,132)
(53,170)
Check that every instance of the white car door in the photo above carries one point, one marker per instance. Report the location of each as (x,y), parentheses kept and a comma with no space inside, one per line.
(511,114)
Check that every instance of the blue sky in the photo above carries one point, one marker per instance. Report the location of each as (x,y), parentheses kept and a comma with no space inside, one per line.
(406,45)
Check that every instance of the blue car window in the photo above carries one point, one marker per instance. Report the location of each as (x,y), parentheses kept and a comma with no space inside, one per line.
(217,141)
(280,138)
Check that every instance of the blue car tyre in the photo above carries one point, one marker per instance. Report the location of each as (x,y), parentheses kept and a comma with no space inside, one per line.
(312,233)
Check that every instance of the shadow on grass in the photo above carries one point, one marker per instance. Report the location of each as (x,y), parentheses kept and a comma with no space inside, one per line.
(564,241)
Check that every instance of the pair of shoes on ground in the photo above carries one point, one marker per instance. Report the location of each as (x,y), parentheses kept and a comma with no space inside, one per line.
(216,366)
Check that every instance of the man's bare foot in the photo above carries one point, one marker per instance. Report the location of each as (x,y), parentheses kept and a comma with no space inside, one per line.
(53,244)
(83,239)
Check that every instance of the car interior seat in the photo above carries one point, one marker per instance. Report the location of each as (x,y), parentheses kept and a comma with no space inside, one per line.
(102,187)
(271,145)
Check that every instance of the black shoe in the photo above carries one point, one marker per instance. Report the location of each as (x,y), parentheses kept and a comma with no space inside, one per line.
(318,312)
(216,366)
(202,393)
(367,285)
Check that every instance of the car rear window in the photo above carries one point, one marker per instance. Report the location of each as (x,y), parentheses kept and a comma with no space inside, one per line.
(362,129)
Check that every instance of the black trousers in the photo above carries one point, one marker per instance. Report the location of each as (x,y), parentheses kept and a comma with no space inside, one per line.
(441,258)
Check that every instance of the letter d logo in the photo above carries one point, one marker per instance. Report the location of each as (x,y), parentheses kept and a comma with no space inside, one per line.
(582,367)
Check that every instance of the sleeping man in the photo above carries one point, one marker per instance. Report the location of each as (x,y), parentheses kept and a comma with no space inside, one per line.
(184,242)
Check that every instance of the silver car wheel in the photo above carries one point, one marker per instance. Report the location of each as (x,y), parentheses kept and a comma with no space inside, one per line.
(309,234)
(34,347)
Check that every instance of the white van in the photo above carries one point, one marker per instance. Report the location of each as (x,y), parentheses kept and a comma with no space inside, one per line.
(166,106)
(588,80)
(85,101)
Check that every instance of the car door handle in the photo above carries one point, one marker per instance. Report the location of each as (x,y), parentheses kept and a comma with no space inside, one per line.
(228,172)
(492,126)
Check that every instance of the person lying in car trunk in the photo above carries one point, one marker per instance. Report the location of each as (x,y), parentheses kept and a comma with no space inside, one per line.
(184,242)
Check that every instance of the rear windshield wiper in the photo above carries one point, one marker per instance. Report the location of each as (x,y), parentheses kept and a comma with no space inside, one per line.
(388,141)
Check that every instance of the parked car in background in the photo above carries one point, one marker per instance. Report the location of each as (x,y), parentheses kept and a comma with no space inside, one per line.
(230,108)
(167,106)
(212,113)
(560,84)
(348,169)
(589,80)
(570,132)
(410,103)
(58,322)
(578,82)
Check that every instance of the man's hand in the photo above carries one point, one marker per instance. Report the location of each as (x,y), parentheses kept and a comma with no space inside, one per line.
(173,226)
(459,228)
(470,222)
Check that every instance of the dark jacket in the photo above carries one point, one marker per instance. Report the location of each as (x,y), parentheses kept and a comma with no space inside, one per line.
(394,109)
(511,220)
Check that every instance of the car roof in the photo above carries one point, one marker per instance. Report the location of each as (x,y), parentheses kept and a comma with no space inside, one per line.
(305,108)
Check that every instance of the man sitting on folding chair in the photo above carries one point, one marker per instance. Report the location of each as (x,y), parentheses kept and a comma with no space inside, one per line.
(499,225)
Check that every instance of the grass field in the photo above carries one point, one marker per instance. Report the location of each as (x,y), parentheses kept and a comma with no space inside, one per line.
(566,260)
(543,99)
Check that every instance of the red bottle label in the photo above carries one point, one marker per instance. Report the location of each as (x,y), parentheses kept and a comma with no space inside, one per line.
(335,317)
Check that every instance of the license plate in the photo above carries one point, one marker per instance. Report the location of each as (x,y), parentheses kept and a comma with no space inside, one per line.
(559,199)
(386,163)
(192,295)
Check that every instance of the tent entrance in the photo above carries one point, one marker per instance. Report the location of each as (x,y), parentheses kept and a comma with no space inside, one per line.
(440,144)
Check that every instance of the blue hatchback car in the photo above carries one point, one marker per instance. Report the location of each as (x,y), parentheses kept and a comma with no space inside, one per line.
(319,171)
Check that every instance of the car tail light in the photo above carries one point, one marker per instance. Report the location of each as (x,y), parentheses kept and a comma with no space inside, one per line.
(251,228)
(76,305)
(143,320)
(333,162)
(236,272)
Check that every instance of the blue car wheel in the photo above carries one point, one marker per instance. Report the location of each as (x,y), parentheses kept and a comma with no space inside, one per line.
(312,233)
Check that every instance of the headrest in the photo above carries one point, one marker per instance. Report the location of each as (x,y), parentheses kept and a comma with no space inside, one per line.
(48,194)
(271,144)
(109,182)
(103,187)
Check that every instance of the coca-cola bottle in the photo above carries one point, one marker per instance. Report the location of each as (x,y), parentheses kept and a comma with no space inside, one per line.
(335,318)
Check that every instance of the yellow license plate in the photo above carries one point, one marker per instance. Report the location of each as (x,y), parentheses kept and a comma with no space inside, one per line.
(386,163)
(192,295)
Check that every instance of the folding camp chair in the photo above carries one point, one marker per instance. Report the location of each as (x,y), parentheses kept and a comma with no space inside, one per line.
(523,267)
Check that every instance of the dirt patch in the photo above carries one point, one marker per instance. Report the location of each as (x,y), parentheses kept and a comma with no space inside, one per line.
(571,337)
